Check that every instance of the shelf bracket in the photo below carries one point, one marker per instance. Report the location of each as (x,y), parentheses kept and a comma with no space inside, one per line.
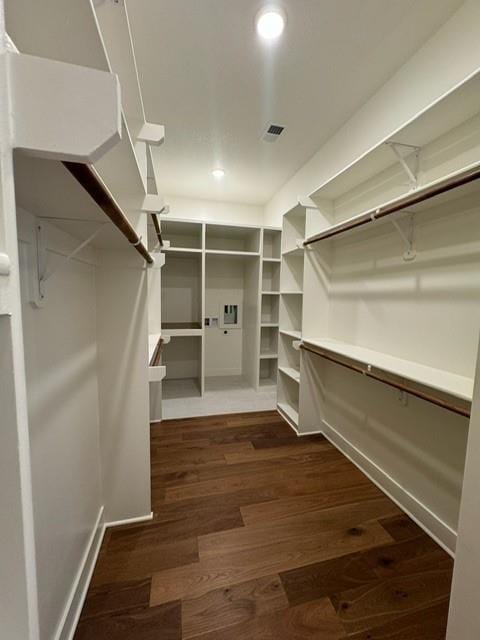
(412,175)
(43,274)
(407,238)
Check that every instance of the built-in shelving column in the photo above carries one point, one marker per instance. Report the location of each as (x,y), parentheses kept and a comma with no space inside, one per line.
(269,307)
(290,310)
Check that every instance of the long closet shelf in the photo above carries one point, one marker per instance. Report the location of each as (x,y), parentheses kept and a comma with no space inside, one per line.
(436,379)
(182,253)
(292,293)
(292,373)
(297,251)
(272,355)
(182,329)
(289,412)
(297,335)
(397,205)
(272,260)
(270,293)
(224,252)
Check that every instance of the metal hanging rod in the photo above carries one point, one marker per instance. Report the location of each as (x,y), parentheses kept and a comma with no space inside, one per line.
(158,230)
(391,383)
(421,195)
(94,186)
(157,354)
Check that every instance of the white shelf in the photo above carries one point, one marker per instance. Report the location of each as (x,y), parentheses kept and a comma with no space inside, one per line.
(271,259)
(292,293)
(182,252)
(270,293)
(291,373)
(179,330)
(297,335)
(297,251)
(269,356)
(438,379)
(220,252)
(269,324)
(288,412)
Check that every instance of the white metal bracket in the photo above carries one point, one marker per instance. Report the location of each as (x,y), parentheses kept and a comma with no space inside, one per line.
(43,274)
(297,344)
(159,260)
(412,174)
(407,237)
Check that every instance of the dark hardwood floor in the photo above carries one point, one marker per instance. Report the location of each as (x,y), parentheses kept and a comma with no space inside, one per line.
(261,535)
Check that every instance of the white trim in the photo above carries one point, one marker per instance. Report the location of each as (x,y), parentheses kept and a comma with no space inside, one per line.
(440,531)
(119,523)
(78,592)
(436,528)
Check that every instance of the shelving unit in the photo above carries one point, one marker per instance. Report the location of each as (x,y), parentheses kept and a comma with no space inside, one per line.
(291,307)
(207,265)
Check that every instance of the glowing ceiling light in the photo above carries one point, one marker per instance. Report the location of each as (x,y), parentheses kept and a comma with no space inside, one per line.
(218,174)
(270,22)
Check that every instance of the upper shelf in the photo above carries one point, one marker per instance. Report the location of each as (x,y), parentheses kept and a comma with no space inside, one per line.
(442,140)
(447,189)
(437,379)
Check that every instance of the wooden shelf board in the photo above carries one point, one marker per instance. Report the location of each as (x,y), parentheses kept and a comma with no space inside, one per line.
(297,251)
(456,107)
(438,379)
(268,355)
(221,252)
(292,373)
(178,329)
(289,412)
(297,335)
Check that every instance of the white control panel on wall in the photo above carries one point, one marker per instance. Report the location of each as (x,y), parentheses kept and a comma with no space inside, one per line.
(230,316)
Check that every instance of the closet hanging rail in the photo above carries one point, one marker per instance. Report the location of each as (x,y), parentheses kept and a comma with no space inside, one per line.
(440,402)
(158,231)
(93,185)
(421,195)
(155,360)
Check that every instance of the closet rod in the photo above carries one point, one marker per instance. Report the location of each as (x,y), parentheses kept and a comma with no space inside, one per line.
(396,385)
(402,203)
(155,361)
(158,231)
(93,185)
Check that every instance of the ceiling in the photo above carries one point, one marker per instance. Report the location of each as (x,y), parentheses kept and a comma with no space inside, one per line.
(207,77)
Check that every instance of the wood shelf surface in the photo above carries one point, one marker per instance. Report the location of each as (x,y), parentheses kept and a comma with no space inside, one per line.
(438,379)
(292,373)
(296,335)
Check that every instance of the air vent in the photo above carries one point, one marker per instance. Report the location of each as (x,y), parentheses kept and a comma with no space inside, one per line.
(272,132)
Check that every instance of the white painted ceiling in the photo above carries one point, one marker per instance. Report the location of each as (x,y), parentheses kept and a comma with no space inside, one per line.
(207,77)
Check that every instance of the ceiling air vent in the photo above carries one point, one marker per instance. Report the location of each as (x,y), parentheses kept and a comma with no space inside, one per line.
(272,132)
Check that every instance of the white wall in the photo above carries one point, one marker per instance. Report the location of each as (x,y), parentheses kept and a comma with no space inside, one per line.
(444,61)
(122,335)
(225,284)
(213,211)
(61,361)
(464,620)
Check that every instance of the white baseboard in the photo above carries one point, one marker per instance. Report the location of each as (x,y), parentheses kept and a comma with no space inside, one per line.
(119,523)
(73,608)
(441,532)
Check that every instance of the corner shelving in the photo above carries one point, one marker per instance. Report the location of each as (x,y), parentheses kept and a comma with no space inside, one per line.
(271,245)
(291,307)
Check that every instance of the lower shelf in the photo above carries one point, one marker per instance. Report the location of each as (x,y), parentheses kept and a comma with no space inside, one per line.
(289,413)
(182,328)
(292,373)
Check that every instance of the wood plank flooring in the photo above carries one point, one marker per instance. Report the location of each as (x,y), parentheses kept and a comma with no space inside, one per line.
(261,535)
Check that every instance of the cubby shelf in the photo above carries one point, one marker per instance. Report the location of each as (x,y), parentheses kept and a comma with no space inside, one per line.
(297,335)
(268,356)
(292,373)
(296,251)
(437,379)
(219,252)
(270,293)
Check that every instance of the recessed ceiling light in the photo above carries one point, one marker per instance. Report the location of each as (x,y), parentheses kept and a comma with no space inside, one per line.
(270,22)
(218,174)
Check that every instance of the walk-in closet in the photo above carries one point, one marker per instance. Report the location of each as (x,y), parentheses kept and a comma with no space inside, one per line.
(239,319)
